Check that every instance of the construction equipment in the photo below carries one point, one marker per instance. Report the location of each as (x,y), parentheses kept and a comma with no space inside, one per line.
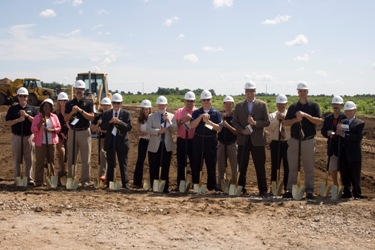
(37,93)
(276,186)
(299,189)
(324,188)
(21,180)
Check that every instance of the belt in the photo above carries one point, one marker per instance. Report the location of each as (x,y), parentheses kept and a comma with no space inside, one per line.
(228,142)
(81,129)
(205,136)
(305,138)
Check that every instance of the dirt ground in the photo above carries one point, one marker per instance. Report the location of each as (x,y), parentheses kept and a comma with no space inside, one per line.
(90,218)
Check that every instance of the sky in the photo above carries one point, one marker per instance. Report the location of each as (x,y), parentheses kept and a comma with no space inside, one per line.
(190,44)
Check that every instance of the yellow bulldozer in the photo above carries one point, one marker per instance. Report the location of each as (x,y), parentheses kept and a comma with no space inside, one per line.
(37,93)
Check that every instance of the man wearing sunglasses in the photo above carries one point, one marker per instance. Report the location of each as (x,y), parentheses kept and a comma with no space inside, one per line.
(78,114)
(20,118)
(250,118)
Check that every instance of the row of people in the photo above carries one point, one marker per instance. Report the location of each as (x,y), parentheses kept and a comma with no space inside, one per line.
(203,135)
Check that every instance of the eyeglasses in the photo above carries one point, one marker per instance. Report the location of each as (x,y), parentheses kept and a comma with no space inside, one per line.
(23,96)
(250,90)
(116,103)
(206,100)
(105,105)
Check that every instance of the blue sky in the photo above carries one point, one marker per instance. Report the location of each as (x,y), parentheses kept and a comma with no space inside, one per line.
(209,44)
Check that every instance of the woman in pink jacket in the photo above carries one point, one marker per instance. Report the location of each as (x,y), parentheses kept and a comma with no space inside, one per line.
(45,128)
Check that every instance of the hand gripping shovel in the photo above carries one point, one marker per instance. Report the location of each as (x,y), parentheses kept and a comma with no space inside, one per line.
(336,191)
(184,184)
(21,180)
(324,188)
(71,182)
(298,189)
(159,184)
(51,179)
(276,186)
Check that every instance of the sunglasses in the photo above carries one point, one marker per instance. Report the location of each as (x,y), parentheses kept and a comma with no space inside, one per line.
(116,103)
(206,100)
(23,96)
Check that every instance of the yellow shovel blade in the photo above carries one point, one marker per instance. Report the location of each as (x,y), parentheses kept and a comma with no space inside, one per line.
(336,192)
(276,188)
(324,189)
(298,191)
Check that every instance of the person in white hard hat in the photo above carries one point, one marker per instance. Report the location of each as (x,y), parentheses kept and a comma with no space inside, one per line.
(45,128)
(160,126)
(185,135)
(117,123)
(279,136)
(20,117)
(144,138)
(328,131)
(351,132)
(79,113)
(303,117)
(250,118)
(207,123)
(227,146)
(105,104)
(61,147)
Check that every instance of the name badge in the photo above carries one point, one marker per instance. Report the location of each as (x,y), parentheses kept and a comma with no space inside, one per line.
(74,122)
(114,131)
(345,127)
(249,129)
(210,127)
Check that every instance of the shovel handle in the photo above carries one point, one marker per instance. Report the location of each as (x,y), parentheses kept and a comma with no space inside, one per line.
(200,178)
(160,168)
(238,178)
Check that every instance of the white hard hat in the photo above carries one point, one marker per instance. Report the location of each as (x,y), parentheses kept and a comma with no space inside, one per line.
(228,98)
(117,97)
(337,100)
(350,106)
(162,100)
(302,85)
(22,91)
(80,84)
(250,85)
(62,96)
(105,101)
(146,104)
(206,94)
(280,98)
(48,100)
(190,96)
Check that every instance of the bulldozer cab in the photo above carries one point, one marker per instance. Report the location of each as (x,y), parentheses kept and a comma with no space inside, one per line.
(32,83)
(94,83)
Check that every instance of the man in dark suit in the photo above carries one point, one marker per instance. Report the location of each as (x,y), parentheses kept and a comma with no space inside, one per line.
(351,134)
(249,119)
(117,123)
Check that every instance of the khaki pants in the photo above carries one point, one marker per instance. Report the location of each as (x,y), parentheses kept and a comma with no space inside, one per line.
(40,159)
(28,146)
(232,156)
(307,162)
(83,146)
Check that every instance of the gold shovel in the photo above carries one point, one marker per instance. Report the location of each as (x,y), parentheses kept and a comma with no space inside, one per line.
(235,189)
(276,186)
(71,182)
(337,191)
(147,185)
(159,184)
(51,179)
(184,184)
(324,188)
(21,180)
(200,188)
(298,189)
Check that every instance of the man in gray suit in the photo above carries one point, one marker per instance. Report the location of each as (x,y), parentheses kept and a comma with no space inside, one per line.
(250,118)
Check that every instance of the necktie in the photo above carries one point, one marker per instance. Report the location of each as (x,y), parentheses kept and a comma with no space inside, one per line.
(116,114)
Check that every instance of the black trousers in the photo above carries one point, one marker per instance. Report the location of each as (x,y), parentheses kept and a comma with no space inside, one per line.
(258,153)
(121,150)
(155,160)
(183,153)
(351,176)
(276,163)
(205,150)
(142,152)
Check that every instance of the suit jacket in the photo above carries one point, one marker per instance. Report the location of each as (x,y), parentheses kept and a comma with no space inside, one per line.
(153,127)
(327,125)
(352,142)
(260,116)
(122,128)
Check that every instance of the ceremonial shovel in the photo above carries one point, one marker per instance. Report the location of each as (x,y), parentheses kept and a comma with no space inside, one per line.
(184,184)
(71,182)
(298,189)
(21,181)
(324,188)
(276,186)
(51,179)
(159,184)
(336,191)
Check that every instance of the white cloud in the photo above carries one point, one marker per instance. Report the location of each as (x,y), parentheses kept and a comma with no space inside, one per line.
(21,31)
(191,58)
(299,40)
(222,3)
(373,66)
(76,3)
(258,77)
(96,27)
(277,20)
(321,73)
(171,20)
(102,12)
(212,49)
(47,13)
(181,36)
(304,57)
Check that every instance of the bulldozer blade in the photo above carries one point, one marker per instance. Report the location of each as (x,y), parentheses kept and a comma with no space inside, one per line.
(146,185)
(199,188)
(324,189)
(71,184)
(225,184)
(336,192)
(184,186)
(298,191)
(158,186)
(235,190)
(276,187)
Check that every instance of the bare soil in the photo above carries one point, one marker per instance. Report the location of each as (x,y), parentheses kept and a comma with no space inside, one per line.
(90,218)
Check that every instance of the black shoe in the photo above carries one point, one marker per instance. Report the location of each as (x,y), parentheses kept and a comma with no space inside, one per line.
(346,196)
(287,195)
(263,194)
(126,186)
(31,183)
(167,191)
(244,191)
(137,187)
(310,196)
